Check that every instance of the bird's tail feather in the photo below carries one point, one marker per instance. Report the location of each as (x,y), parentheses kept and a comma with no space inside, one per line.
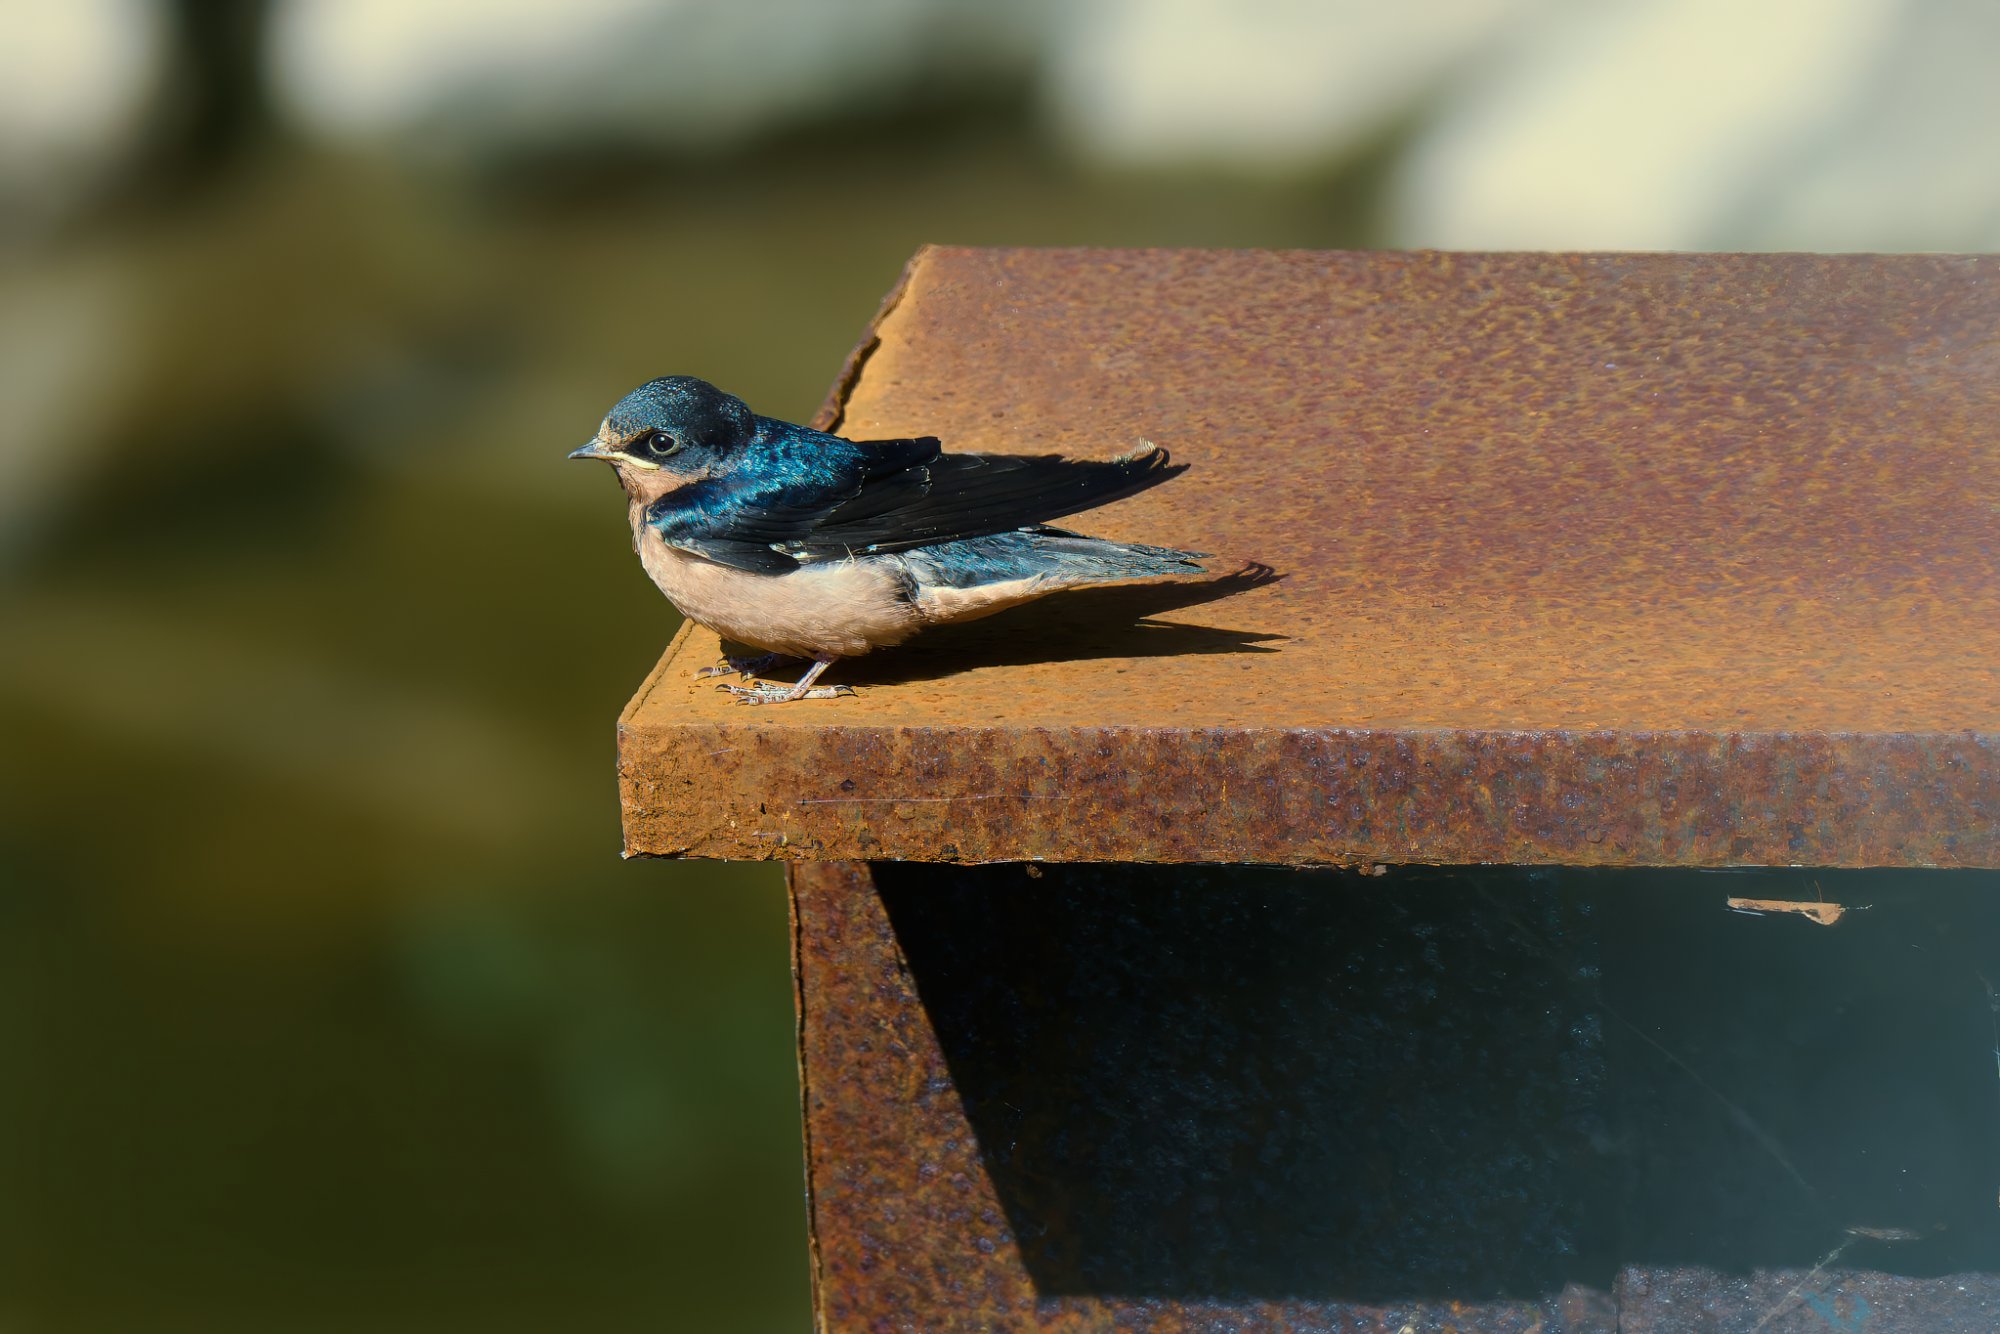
(1051,555)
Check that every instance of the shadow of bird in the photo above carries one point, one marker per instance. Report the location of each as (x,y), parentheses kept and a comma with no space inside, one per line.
(1081,625)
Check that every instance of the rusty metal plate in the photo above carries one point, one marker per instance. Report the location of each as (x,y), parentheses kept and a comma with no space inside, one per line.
(1604,559)
(1254,1099)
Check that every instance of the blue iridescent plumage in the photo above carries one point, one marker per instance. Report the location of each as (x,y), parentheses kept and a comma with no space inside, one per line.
(813,545)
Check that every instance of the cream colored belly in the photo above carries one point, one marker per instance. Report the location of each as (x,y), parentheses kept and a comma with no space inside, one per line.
(841,608)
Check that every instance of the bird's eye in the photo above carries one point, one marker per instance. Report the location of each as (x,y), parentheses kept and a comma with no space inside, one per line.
(659,444)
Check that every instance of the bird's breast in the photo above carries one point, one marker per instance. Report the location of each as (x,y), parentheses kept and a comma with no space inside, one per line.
(842,608)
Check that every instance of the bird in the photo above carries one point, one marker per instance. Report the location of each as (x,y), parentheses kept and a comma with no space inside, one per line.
(809,545)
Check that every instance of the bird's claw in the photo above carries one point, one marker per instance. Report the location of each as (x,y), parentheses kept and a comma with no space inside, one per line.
(731,665)
(782,694)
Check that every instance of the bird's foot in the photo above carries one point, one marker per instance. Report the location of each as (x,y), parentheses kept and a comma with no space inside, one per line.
(732,665)
(783,694)
(775,693)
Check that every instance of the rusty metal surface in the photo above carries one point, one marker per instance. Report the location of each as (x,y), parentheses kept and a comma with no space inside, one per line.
(1599,559)
(1248,1099)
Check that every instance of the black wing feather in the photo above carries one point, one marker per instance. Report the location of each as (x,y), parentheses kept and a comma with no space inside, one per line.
(957,496)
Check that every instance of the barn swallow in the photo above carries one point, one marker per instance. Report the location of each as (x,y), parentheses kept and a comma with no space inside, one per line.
(809,545)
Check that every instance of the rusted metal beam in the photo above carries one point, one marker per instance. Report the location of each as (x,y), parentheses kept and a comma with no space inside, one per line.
(1594,559)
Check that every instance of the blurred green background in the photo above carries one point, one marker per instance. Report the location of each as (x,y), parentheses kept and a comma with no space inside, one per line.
(325,999)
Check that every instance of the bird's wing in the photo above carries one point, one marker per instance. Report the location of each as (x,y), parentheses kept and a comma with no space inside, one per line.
(752,519)
(860,497)
(956,496)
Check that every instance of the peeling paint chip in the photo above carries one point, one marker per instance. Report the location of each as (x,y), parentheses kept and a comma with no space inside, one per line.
(1826,914)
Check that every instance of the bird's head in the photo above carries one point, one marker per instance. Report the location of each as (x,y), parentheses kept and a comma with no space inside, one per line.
(669,431)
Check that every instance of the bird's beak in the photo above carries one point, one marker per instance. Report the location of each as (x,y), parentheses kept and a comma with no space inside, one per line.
(593,450)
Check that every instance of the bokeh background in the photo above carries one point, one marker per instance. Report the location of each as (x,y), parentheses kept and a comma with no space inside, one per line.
(325,1000)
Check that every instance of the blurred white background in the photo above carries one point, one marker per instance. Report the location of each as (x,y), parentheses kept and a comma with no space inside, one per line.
(1670,124)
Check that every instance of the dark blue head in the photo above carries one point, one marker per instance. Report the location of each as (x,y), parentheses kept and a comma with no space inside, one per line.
(676,425)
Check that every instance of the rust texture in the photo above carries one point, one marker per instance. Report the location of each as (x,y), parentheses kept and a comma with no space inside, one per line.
(1610,559)
(1213,1099)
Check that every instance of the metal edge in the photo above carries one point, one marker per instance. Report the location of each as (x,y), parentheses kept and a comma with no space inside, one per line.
(627,718)
(793,874)
(1335,797)
(833,408)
